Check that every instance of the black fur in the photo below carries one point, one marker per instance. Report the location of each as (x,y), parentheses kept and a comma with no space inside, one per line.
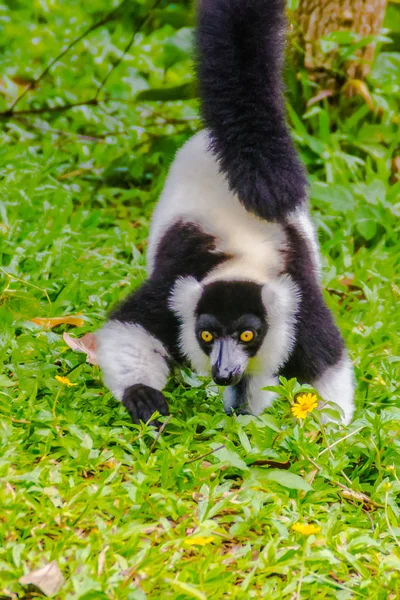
(240,391)
(148,307)
(227,308)
(318,341)
(183,250)
(142,401)
(240,47)
(230,300)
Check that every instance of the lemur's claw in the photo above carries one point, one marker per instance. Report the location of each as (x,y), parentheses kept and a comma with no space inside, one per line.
(142,401)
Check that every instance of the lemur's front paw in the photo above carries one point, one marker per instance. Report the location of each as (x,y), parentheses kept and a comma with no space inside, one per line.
(141,401)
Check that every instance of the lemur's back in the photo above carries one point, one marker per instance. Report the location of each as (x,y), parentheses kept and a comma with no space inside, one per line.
(197,192)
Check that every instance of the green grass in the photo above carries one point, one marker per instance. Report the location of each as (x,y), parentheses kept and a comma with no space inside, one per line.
(198,512)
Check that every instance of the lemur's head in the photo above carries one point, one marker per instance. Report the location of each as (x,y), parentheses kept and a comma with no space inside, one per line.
(231,327)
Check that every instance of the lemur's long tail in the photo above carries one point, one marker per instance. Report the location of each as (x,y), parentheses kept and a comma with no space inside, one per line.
(240,45)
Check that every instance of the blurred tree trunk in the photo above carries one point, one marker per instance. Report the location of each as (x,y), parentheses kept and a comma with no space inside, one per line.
(316,18)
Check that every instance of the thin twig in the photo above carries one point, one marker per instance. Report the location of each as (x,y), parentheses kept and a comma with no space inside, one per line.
(341,440)
(265,462)
(10,112)
(46,129)
(48,109)
(352,493)
(323,433)
(204,455)
(338,585)
(163,426)
(11,276)
(43,74)
(388,521)
(300,583)
(141,24)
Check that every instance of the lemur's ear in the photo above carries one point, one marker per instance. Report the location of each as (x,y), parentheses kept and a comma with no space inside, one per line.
(281,299)
(185,296)
(183,301)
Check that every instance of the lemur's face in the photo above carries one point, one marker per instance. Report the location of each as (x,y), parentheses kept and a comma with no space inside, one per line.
(230,327)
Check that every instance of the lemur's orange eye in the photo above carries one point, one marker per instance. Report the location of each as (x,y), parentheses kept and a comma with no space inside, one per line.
(246,336)
(207,337)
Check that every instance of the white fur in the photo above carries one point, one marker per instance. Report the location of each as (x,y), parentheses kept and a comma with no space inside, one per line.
(128,355)
(281,299)
(196,192)
(183,302)
(259,399)
(229,399)
(337,385)
(301,219)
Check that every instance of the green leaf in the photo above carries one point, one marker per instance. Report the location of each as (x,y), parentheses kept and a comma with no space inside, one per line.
(94,595)
(179,47)
(187,588)
(288,479)
(270,421)
(186,91)
(6,382)
(340,198)
(367,228)
(386,70)
(230,458)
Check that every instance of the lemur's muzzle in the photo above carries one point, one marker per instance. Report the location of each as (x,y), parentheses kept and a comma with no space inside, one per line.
(228,362)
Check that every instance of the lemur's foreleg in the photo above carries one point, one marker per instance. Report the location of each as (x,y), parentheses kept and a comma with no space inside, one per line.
(249,395)
(135,368)
(319,356)
(337,384)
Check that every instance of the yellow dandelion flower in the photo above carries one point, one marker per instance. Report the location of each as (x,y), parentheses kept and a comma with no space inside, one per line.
(305,403)
(199,540)
(306,529)
(65,381)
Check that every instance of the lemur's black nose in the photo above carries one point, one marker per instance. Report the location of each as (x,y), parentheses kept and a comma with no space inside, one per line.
(223,380)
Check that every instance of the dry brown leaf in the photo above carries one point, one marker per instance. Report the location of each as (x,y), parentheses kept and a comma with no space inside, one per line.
(48,579)
(101,560)
(265,462)
(396,166)
(320,96)
(86,344)
(72,174)
(50,322)
(22,80)
(346,281)
(367,503)
(357,86)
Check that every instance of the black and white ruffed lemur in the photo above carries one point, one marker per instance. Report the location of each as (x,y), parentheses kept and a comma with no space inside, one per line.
(233,282)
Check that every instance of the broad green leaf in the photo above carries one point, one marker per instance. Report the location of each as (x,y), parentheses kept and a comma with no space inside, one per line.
(288,479)
(187,588)
(230,458)
(6,382)
(186,91)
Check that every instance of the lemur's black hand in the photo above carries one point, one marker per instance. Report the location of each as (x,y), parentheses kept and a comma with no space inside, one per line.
(141,401)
